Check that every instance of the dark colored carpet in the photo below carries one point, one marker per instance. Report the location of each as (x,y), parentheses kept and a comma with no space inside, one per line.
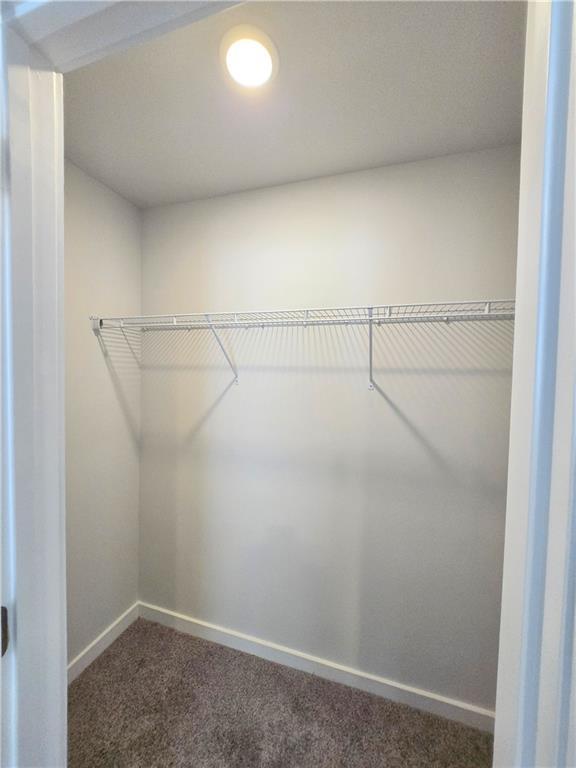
(158,697)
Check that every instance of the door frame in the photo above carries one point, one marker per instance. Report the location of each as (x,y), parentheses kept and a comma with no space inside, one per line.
(536,693)
(33,521)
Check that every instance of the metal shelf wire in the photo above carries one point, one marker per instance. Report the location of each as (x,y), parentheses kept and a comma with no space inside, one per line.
(383,314)
(379,315)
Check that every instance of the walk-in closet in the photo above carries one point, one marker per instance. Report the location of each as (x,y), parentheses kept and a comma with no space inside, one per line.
(290,260)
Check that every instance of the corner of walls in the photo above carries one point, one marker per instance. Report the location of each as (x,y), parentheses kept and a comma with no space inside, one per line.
(141,217)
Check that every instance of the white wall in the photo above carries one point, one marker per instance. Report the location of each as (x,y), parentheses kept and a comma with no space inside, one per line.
(299,507)
(102,276)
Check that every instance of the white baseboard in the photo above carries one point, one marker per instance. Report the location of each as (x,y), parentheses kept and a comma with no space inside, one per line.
(104,639)
(461,711)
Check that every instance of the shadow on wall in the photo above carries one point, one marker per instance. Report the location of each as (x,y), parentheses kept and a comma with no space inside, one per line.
(424,357)
(434,365)
(122,353)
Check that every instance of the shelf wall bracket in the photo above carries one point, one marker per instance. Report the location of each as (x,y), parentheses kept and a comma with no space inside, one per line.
(96,324)
(223,348)
(370,348)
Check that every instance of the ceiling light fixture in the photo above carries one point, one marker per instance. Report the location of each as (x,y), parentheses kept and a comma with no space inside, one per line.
(249,56)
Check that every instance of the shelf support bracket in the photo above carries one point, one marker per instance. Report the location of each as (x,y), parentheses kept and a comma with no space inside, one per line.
(370,348)
(223,348)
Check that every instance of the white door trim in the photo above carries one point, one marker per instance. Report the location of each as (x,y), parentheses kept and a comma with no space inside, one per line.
(33,438)
(74,33)
(49,520)
(533,684)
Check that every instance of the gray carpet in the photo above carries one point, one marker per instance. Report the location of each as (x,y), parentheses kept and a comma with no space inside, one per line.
(158,697)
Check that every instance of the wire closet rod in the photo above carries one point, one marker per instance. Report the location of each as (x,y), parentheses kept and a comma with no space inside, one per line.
(383,314)
(453,311)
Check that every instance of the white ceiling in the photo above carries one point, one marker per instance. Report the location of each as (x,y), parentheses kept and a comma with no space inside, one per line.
(360,84)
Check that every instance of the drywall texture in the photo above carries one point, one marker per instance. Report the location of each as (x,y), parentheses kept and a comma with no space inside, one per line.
(102,276)
(365,527)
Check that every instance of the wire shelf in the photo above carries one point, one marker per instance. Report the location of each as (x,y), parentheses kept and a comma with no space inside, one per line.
(384,314)
(471,311)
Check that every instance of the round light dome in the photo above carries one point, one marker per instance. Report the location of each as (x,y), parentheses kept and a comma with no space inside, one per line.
(249,56)
(249,63)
